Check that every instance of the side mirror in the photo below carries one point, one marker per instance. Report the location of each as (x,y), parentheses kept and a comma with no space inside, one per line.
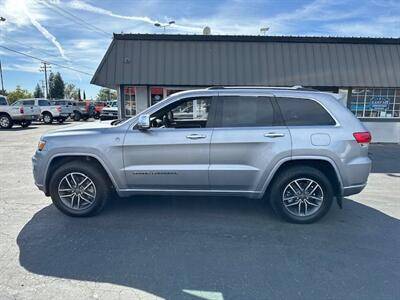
(143,122)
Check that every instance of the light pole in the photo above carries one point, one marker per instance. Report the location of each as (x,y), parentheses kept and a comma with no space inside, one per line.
(164,25)
(2,19)
(264,30)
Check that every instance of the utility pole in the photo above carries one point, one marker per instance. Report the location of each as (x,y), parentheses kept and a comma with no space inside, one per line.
(2,19)
(1,74)
(43,87)
(44,68)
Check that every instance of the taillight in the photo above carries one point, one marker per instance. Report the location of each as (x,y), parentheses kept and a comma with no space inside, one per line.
(362,137)
(58,108)
(21,110)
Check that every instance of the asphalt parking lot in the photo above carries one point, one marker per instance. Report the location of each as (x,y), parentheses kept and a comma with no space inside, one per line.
(197,248)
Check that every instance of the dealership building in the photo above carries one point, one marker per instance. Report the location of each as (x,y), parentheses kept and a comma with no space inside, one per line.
(145,68)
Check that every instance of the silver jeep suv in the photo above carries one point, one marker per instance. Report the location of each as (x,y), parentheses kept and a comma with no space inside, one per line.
(300,149)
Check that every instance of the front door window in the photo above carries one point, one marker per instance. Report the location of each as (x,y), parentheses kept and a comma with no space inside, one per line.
(130,101)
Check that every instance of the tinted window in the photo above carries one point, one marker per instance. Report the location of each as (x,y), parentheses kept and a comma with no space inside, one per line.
(29,102)
(44,103)
(304,112)
(3,101)
(243,111)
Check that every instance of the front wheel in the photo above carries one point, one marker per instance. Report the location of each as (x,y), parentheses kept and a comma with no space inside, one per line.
(301,194)
(79,189)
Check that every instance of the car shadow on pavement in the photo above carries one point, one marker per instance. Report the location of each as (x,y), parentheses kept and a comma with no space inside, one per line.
(234,246)
(18,128)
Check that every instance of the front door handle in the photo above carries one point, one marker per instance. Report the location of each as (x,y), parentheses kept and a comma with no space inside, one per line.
(274,134)
(196,136)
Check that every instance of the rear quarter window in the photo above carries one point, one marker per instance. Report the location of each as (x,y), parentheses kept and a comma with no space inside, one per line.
(304,112)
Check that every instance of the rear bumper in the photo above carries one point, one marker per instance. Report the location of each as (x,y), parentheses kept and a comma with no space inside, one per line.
(354,189)
(25,117)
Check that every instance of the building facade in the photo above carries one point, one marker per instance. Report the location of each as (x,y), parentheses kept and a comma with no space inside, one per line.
(145,68)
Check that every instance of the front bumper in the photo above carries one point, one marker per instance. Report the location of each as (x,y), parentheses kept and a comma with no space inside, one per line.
(39,171)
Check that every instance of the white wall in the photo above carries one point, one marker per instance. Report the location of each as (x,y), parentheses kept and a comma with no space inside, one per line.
(384,132)
(141,98)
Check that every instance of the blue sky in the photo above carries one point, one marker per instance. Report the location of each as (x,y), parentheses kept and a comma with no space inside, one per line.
(46,29)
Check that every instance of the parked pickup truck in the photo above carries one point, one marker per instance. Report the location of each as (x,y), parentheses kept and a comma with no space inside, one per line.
(48,111)
(67,106)
(109,112)
(18,113)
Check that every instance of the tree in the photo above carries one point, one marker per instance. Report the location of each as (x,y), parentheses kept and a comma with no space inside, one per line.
(17,94)
(71,92)
(84,95)
(106,94)
(56,86)
(38,93)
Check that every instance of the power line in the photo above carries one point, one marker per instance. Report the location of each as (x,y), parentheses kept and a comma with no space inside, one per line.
(30,47)
(46,61)
(74,18)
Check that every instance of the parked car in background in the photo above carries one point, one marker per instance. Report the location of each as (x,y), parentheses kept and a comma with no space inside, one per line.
(98,107)
(109,112)
(18,113)
(66,106)
(49,112)
(80,110)
(300,149)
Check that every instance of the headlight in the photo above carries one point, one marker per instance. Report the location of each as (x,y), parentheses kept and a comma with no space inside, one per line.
(41,145)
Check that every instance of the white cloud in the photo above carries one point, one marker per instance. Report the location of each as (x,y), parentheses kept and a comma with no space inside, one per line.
(80,5)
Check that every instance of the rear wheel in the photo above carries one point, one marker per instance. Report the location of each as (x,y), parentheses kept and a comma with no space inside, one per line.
(77,116)
(301,194)
(25,123)
(47,118)
(79,189)
(6,122)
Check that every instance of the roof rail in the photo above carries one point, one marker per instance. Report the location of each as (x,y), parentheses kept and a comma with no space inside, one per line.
(296,87)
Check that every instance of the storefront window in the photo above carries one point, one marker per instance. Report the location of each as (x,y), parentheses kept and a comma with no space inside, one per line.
(130,101)
(157,94)
(375,102)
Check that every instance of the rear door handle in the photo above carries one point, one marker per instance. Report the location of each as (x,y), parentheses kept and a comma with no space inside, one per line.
(196,136)
(274,134)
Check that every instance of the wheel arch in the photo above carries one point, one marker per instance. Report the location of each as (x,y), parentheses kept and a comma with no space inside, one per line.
(324,164)
(3,113)
(60,159)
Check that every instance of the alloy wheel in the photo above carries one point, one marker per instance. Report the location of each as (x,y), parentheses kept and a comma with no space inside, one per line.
(77,191)
(302,197)
(4,121)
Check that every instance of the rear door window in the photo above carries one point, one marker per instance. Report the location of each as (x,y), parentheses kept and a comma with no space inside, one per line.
(304,112)
(44,103)
(245,111)
(28,102)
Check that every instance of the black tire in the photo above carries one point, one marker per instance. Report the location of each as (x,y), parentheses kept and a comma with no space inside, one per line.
(47,118)
(300,172)
(25,124)
(91,171)
(60,120)
(5,121)
(77,116)
(85,118)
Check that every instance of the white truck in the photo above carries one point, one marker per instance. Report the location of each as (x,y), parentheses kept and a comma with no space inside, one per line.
(17,113)
(48,111)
